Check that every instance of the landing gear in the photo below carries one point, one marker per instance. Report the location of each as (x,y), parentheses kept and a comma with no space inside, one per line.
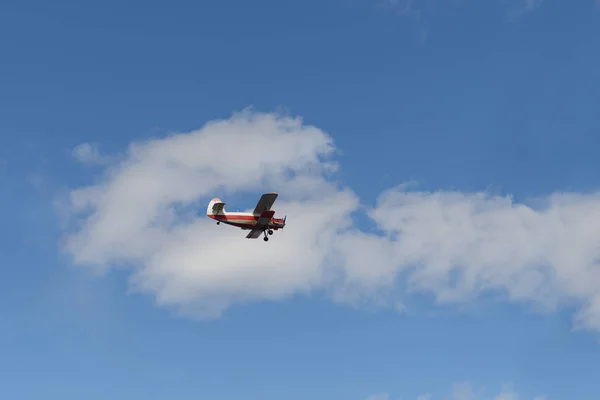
(270,231)
(266,238)
(218,222)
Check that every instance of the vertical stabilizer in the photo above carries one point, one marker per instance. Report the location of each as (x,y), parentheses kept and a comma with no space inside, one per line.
(215,207)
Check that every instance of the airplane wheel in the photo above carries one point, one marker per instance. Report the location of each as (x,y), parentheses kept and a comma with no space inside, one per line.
(266,239)
(218,222)
(270,231)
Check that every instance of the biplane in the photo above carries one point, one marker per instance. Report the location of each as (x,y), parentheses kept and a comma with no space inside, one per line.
(258,222)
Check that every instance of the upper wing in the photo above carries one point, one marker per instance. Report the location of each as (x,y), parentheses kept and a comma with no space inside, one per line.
(265,203)
(261,224)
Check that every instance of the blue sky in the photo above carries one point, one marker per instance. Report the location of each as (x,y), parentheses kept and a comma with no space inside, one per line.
(460,98)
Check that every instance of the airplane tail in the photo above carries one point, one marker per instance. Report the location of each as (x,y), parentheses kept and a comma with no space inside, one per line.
(215,207)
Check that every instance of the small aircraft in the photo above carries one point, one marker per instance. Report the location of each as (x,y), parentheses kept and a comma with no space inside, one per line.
(258,222)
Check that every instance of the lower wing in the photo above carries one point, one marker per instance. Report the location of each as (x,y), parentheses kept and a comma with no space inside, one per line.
(261,224)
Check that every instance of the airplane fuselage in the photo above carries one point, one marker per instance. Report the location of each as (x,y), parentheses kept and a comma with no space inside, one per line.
(245,221)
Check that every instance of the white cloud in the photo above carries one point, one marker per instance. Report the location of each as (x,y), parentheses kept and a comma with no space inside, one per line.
(419,7)
(459,245)
(379,396)
(148,213)
(403,6)
(88,153)
(525,6)
(465,391)
(138,215)
(420,12)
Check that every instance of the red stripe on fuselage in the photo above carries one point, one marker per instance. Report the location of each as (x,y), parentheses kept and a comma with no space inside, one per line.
(226,217)
(238,217)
